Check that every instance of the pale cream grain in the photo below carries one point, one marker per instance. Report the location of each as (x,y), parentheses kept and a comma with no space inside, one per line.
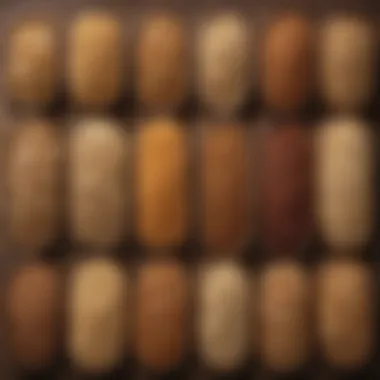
(223,316)
(98,191)
(224,72)
(97,315)
(344,198)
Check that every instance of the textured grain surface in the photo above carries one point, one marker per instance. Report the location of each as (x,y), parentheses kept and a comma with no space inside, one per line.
(286,63)
(34,315)
(344,182)
(162,171)
(130,12)
(224,185)
(163,40)
(347,59)
(285,311)
(223,70)
(162,315)
(98,189)
(34,185)
(95,60)
(32,70)
(98,311)
(223,316)
(345,313)
(286,189)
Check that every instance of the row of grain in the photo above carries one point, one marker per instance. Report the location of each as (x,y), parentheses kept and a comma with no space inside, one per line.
(282,316)
(296,179)
(287,63)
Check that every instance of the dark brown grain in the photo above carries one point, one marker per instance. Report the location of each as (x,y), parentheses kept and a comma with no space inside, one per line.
(286,193)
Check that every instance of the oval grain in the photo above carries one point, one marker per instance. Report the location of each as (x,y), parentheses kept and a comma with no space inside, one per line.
(97,315)
(32,72)
(224,72)
(345,314)
(223,316)
(286,192)
(285,316)
(34,316)
(344,183)
(162,63)
(95,60)
(34,185)
(224,187)
(286,63)
(347,63)
(162,315)
(98,155)
(162,165)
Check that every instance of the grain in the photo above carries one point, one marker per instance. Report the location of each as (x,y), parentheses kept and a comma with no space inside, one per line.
(34,185)
(344,183)
(285,316)
(162,63)
(95,60)
(97,315)
(162,180)
(345,319)
(98,158)
(32,69)
(162,315)
(286,189)
(223,316)
(224,188)
(347,63)
(223,63)
(34,315)
(286,63)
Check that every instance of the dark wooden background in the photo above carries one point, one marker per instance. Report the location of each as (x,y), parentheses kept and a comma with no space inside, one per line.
(130,11)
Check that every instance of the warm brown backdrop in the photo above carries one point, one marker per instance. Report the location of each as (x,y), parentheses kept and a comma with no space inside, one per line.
(130,10)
